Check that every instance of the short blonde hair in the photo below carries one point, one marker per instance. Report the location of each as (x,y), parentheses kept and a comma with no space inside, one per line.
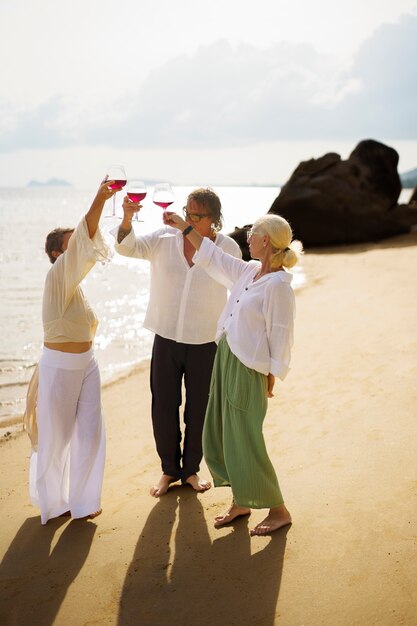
(285,250)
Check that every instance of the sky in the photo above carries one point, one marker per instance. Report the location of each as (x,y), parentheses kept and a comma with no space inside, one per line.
(211,93)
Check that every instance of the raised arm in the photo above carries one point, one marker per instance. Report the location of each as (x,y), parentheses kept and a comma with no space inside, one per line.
(129,210)
(172,219)
(85,247)
(93,214)
(225,268)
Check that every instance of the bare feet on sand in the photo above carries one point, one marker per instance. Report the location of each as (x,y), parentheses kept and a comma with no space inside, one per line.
(231,514)
(277,518)
(162,487)
(197,483)
(92,515)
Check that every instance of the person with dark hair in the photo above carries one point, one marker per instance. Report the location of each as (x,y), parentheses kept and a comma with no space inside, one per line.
(183,309)
(55,241)
(66,426)
(254,336)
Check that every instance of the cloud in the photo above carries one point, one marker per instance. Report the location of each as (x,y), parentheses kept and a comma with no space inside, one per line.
(223,97)
(38,128)
(220,96)
(385,68)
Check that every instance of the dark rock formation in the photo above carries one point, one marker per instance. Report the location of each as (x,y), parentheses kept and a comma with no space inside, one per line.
(413,200)
(240,236)
(329,201)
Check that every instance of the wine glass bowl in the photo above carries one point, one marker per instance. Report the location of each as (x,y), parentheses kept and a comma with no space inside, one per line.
(118,184)
(163,195)
(117,174)
(136,191)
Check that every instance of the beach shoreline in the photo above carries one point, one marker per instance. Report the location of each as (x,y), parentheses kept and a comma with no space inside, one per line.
(341,433)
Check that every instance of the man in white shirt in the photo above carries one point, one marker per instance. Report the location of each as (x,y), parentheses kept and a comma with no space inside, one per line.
(184,306)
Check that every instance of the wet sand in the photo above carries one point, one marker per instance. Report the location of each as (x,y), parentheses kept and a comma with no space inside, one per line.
(341,431)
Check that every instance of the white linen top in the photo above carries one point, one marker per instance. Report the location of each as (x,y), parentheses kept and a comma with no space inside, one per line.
(258,318)
(66,314)
(185,302)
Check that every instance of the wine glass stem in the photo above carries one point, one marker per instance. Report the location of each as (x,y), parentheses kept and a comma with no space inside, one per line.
(114,205)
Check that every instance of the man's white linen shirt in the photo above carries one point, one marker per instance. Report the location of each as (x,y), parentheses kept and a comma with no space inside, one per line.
(185,302)
(258,318)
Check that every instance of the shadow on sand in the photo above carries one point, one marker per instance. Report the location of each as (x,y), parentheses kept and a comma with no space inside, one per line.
(179,576)
(31,575)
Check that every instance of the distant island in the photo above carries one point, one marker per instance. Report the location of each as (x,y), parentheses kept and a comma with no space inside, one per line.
(409,179)
(52,182)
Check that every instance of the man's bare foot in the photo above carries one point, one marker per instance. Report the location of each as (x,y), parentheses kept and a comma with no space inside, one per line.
(232,513)
(162,487)
(197,483)
(277,518)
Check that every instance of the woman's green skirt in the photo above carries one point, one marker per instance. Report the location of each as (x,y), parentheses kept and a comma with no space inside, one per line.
(233,442)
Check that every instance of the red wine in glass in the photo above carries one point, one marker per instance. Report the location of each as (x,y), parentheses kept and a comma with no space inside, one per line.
(136,191)
(117,174)
(163,196)
(118,184)
(163,205)
(136,196)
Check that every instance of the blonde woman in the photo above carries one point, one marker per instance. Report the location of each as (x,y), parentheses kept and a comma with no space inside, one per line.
(254,336)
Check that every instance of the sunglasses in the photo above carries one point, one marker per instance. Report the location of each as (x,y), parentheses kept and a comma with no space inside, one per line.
(250,233)
(194,217)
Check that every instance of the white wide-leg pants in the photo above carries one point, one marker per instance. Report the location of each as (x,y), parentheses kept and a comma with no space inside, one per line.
(66,471)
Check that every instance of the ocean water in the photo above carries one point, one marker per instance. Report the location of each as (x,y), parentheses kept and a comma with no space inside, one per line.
(118,291)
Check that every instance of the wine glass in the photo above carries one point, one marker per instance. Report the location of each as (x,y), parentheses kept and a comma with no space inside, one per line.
(118,174)
(163,196)
(136,190)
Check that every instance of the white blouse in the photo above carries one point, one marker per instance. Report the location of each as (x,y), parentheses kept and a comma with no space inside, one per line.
(66,314)
(258,318)
(185,302)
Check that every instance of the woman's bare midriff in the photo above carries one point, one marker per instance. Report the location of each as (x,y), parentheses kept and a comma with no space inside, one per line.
(74,347)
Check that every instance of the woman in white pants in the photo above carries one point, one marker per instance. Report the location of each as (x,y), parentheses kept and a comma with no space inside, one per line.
(67,460)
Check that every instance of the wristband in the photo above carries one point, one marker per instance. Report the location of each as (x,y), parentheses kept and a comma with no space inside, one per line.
(187,230)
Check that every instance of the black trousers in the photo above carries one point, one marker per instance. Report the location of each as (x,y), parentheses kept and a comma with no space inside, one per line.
(172,363)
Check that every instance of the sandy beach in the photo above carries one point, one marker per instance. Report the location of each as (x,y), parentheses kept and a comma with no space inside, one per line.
(341,431)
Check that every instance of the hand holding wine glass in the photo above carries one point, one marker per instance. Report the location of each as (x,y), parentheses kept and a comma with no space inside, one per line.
(174,220)
(117,174)
(136,191)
